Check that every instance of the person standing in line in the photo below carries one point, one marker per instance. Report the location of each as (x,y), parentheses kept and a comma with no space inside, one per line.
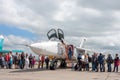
(16,61)
(39,61)
(7,59)
(47,62)
(79,59)
(101,62)
(42,61)
(11,61)
(19,61)
(89,60)
(86,63)
(104,62)
(22,60)
(116,63)
(109,62)
(1,60)
(30,60)
(94,62)
(26,61)
(33,62)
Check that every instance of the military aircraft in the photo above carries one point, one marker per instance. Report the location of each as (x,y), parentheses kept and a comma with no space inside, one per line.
(56,46)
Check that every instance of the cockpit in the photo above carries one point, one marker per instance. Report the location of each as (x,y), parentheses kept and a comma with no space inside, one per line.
(55,34)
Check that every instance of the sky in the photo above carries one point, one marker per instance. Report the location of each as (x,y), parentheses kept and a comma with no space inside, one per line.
(28,21)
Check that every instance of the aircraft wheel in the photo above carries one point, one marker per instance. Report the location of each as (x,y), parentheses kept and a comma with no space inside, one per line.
(52,66)
(63,63)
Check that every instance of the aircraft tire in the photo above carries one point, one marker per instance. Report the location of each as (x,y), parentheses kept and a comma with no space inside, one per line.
(52,66)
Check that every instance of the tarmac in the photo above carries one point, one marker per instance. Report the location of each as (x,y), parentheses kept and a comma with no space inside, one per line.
(58,74)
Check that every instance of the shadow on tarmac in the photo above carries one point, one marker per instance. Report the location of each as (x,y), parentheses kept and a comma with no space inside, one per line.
(28,70)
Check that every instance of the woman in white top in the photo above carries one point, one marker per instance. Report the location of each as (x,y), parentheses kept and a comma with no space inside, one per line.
(3,61)
(86,63)
(39,61)
(26,61)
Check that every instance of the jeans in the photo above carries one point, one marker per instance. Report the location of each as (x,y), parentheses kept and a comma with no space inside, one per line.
(115,67)
(7,64)
(102,69)
(87,67)
(93,66)
(109,67)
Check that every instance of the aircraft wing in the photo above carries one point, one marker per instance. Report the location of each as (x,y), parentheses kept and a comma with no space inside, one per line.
(83,50)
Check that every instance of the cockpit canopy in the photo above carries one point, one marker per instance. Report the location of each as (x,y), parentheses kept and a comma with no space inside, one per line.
(58,34)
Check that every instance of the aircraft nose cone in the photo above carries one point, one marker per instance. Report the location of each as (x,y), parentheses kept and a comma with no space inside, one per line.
(32,45)
(44,48)
(35,45)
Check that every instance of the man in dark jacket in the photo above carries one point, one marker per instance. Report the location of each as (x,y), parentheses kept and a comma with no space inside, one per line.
(22,60)
(94,62)
(109,62)
(47,62)
(101,62)
(79,59)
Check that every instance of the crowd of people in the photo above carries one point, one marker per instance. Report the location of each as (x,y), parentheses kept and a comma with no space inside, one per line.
(98,62)
(22,61)
(25,61)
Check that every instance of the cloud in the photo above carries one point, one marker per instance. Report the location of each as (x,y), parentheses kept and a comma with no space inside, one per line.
(100,4)
(12,42)
(69,11)
(20,16)
(98,20)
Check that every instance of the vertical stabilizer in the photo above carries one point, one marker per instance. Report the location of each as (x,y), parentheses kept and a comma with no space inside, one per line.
(1,42)
(82,42)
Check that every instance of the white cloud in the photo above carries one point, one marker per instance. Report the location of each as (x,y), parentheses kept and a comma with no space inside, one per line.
(92,12)
(20,16)
(65,11)
(70,11)
(12,42)
(16,40)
